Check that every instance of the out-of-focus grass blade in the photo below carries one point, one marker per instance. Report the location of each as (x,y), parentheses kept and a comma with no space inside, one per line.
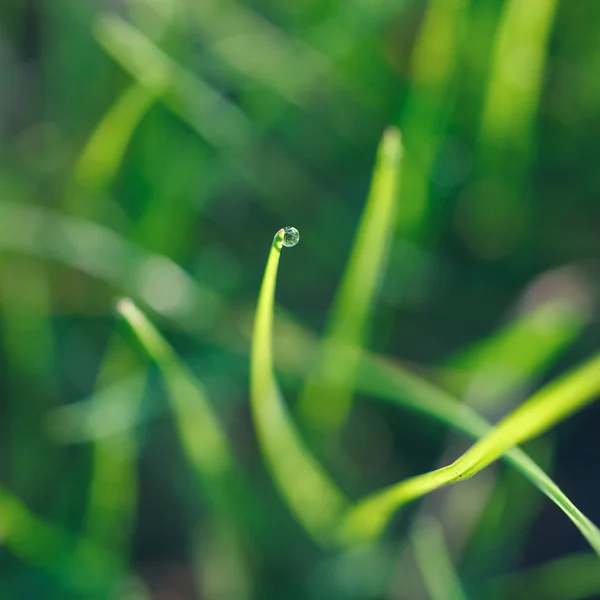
(205,442)
(103,153)
(277,61)
(549,406)
(209,113)
(109,517)
(217,119)
(325,400)
(504,362)
(80,566)
(428,104)
(311,495)
(574,577)
(434,561)
(516,77)
(107,412)
(100,252)
(29,351)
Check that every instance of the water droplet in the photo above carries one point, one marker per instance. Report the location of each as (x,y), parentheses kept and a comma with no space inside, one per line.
(290,237)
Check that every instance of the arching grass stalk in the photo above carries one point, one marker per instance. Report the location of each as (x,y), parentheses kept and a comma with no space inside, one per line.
(549,406)
(309,492)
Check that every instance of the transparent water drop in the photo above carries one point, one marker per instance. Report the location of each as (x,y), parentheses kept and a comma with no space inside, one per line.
(291,237)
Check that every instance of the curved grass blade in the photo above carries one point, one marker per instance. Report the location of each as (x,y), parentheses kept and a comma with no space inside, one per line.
(311,495)
(433,558)
(326,398)
(549,406)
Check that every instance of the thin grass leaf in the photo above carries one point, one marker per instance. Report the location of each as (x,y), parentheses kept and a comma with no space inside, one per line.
(103,153)
(104,254)
(326,398)
(311,495)
(205,442)
(434,561)
(506,361)
(549,406)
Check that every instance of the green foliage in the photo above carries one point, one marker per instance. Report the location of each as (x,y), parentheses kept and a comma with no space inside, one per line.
(147,151)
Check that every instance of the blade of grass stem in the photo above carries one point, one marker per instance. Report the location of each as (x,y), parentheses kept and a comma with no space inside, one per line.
(311,495)
(326,398)
(434,561)
(549,406)
(204,441)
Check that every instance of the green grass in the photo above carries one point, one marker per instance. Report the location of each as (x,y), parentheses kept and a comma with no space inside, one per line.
(326,398)
(290,461)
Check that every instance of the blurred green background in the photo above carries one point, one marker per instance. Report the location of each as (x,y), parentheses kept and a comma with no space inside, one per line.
(152,148)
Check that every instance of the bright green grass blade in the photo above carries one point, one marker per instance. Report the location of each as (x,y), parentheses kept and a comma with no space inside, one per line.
(311,495)
(549,406)
(325,401)
(205,442)
(574,577)
(504,362)
(433,559)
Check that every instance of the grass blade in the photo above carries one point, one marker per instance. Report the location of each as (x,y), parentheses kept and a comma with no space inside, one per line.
(434,561)
(549,406)
(311,495)
(505,362)
(345,333)
(103,154)
(205,443)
